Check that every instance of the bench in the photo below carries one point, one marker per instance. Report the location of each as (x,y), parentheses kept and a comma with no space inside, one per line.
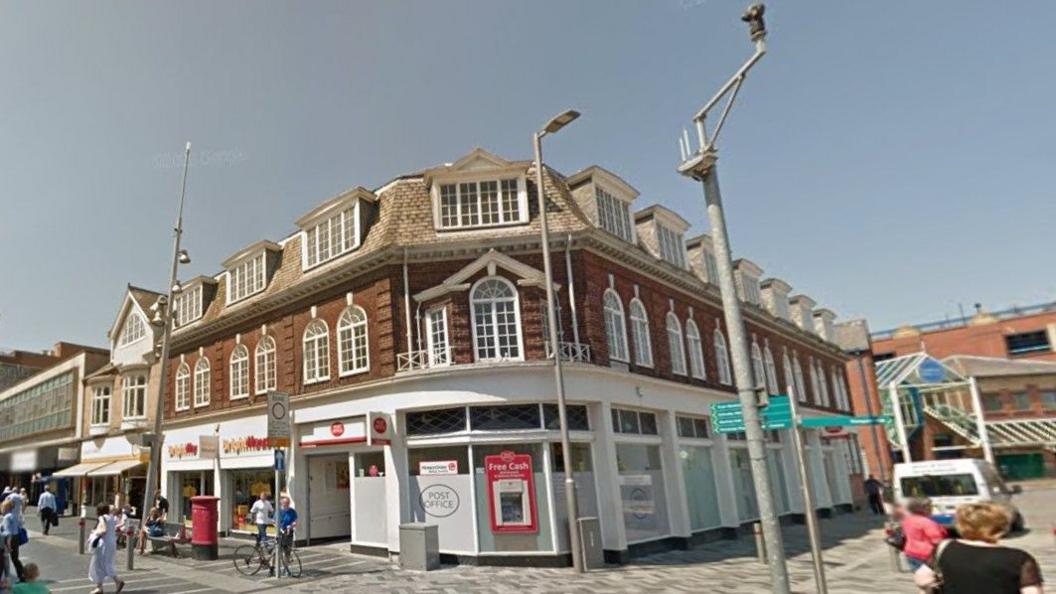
(175,534)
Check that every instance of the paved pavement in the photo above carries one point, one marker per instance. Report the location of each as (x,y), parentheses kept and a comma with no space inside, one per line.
(856,561)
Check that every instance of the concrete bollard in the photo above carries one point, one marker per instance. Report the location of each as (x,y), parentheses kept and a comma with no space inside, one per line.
(760,544)
(80,541)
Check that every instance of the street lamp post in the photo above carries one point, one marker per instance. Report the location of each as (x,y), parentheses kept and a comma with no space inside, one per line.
(700,166)
(163,317)
(555,124)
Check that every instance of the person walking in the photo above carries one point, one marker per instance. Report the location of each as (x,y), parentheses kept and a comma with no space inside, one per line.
(922,533)
(47,509)
(975,562)
(261,512)
(11,534)
(103,545)
(874,489)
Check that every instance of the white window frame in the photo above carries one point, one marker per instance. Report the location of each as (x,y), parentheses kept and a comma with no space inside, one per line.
(357,351)
(239,380)
(790,377)
(347,220)
(758,371)
(182,389)
(102,394)
(672,245)
(134,330)
(616,337)
(815,388)
(695,351)
(493,323)
(797,370)
(439,355)
(643,344)
(771,371)
(189,305)
(266,373)
(676,344)
(259,273)
(312,347)
(477,180)
(837,395)
(203,377)
(130,386)
(824,382)
(722,358)
(614,214)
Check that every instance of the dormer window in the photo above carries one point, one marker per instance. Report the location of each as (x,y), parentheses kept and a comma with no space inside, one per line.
(135,329)
(484,203)
(189,305)
(747,276)
(751,289)
(331,237)
(672,248)
(614,215)
(247,278)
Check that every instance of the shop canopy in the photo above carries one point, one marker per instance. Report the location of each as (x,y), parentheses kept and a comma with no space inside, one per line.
(114,468)
(79,470)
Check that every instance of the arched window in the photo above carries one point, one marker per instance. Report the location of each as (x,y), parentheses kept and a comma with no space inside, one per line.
(201,382)
(316,352)
(135,328)
(643,347)
(836,394)
(824,383)
(815,387)
(790,379)
(771,371)
(843,390)
(696,351)
(801,388)
(722,357)
(758,375)
(675,344)
(352,351)
(615,326)
(183,387)
(240,372)
(265,372)
(496,320)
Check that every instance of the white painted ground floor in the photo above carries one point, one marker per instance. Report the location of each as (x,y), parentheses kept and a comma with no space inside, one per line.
(476,451)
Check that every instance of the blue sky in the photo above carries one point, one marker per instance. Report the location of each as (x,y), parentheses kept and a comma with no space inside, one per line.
(885,158)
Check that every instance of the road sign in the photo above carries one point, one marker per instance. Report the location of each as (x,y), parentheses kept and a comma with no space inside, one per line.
(728,417)
(279,419)
(280,460)
(931,371)
(843,421)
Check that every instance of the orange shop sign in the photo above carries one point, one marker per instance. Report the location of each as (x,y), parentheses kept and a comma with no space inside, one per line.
(185,450)
(242,445)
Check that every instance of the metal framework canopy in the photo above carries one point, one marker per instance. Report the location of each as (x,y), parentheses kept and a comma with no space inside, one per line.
(918,370)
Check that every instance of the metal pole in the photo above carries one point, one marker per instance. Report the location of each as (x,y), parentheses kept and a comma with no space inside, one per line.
(129,531)
(166,314)
(745,387)
(760,544)
(980,422)
(810,511)
(275,520)
(900,424)
(559,377)
(875,429)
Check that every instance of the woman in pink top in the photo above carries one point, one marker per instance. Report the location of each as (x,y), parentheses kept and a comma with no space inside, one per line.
(922,533)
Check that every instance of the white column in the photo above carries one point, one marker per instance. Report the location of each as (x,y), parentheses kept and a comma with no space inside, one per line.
(900,423)
(397,505)
(724,482)
(675,488)
(610,505)
(815,457)
(788,462)
(980,421)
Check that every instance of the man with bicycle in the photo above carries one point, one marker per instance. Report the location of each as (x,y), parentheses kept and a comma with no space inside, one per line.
(287,520)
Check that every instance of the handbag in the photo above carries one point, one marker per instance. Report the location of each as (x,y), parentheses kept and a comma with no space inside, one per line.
(936,587)
(23,537)
(896,539)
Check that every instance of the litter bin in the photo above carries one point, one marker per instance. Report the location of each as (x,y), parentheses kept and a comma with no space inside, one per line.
(204,539)
(419,546)
(590,543)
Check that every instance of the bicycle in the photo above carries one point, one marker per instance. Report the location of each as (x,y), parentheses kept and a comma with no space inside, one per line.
(250,559)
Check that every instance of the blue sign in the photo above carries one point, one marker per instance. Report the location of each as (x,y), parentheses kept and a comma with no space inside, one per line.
(280,461)
(931,371)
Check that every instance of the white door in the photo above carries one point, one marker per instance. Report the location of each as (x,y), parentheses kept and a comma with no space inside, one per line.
(329,505)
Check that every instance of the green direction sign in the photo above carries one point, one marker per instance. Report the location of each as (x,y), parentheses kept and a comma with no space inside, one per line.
(727,417)
(844,421)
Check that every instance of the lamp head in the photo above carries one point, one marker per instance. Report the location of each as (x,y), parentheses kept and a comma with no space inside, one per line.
(183,257)
(176,288)
(754,17)
(560,121)
(158,320)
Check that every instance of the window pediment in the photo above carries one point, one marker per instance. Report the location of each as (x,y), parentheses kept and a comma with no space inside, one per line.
(490,261)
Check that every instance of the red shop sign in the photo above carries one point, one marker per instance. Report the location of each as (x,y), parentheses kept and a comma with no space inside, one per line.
(511,493)
(337,429)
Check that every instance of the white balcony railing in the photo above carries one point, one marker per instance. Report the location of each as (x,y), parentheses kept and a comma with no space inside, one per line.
(412,360)
(570,351)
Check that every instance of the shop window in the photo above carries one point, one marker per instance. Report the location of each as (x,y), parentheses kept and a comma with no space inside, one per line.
(497,418)
(581,461)
(633,422)
(578,419)
(698,473)
(370,464)
(246,487)
(457,454)
(432,422)
(693,427)
(642,491)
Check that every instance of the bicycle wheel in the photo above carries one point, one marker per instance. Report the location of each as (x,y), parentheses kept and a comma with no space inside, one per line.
(248,560)
(292,561)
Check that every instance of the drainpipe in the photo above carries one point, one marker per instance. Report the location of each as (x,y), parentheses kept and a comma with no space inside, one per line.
(407,301)
(571,290)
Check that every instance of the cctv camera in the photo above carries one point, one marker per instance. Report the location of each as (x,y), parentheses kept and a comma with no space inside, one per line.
(754,17)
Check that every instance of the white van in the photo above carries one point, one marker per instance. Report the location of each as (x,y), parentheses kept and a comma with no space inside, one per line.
(950,483)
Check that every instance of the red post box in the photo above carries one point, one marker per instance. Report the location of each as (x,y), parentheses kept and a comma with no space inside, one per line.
(204,516)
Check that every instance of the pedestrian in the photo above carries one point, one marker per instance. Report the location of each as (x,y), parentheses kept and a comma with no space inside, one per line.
(162,505)
(103,545)
(23,497)
(975,562)
(11,534)
(47,509)
(261,512)
(922,533)
(153,526)
(30,585)
(287,524)
(875,490)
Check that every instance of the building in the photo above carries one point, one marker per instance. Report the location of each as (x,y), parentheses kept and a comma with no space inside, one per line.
(1017,333)
(16,365)
(41,419)
(853,337)
(119,400)
(422,304)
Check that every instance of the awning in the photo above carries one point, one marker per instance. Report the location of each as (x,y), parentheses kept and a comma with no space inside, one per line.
(79,469)
(114,468)
(1025,432)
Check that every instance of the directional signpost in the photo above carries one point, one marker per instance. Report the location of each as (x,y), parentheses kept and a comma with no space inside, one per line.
(279,438)
(843,421)
(726,417)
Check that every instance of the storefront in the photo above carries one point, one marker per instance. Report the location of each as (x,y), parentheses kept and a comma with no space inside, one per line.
(118,473)
(696,455)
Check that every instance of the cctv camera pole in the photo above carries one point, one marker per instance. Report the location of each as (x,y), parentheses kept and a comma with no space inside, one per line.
(165,313)
(700,166)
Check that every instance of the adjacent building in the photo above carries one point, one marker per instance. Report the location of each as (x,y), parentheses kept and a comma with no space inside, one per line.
(419,308)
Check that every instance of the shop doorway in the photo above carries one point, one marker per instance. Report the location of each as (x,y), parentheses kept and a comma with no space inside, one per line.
(329,503)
